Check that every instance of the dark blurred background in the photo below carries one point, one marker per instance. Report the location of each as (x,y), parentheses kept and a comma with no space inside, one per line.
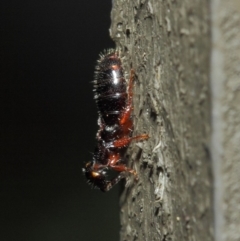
(49,120)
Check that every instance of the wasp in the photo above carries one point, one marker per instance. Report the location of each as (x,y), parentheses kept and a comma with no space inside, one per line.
(113,97)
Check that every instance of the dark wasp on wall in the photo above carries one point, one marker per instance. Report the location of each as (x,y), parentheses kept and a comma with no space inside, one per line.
(113,96)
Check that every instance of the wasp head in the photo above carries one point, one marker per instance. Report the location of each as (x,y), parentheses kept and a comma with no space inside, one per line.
(96,177)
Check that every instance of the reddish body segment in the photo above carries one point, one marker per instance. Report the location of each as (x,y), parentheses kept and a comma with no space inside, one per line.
(114,102)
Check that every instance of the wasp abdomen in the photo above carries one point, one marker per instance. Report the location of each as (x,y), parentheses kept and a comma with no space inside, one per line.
(111,88)
(111,103)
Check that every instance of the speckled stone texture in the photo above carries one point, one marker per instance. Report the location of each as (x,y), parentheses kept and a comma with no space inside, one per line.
(167,43)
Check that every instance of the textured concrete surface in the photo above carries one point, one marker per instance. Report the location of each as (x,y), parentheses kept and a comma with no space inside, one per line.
(167,43)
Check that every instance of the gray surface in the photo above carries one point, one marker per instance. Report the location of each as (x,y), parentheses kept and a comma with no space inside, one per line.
(225,82)
(168,45)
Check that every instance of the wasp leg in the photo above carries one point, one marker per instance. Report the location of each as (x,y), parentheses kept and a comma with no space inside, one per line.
(110,184)
(127,113)
(124,168)
(125,141)
(113,164)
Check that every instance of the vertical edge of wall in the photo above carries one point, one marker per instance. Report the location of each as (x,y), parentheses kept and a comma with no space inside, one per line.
(217,78)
